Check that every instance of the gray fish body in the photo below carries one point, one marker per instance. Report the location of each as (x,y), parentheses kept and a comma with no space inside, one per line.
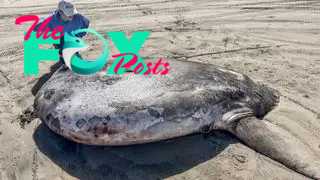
(125,109)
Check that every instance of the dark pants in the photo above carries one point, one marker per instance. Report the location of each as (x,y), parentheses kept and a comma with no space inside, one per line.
(60,53)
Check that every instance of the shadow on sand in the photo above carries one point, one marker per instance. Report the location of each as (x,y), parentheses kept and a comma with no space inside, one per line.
(147,161)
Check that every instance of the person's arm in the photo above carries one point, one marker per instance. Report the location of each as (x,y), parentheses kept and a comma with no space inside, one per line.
(84,21)
(41,22)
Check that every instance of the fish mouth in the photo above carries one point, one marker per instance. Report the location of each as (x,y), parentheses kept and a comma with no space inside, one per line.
(236,114)
(229,118)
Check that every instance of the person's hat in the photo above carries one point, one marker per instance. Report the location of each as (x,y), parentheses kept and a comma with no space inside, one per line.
(67,8)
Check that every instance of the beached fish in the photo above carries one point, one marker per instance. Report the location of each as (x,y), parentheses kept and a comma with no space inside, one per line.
(127,109)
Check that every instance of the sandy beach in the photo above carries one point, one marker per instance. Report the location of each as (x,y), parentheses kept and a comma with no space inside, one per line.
(274,42)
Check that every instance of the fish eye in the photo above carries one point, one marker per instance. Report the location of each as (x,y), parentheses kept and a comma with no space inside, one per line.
(205,129)
(78,41)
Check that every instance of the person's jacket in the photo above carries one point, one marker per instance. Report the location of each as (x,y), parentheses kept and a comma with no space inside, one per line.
(79,21)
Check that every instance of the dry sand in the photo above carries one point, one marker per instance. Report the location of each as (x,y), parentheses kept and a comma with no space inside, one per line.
(276,42)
